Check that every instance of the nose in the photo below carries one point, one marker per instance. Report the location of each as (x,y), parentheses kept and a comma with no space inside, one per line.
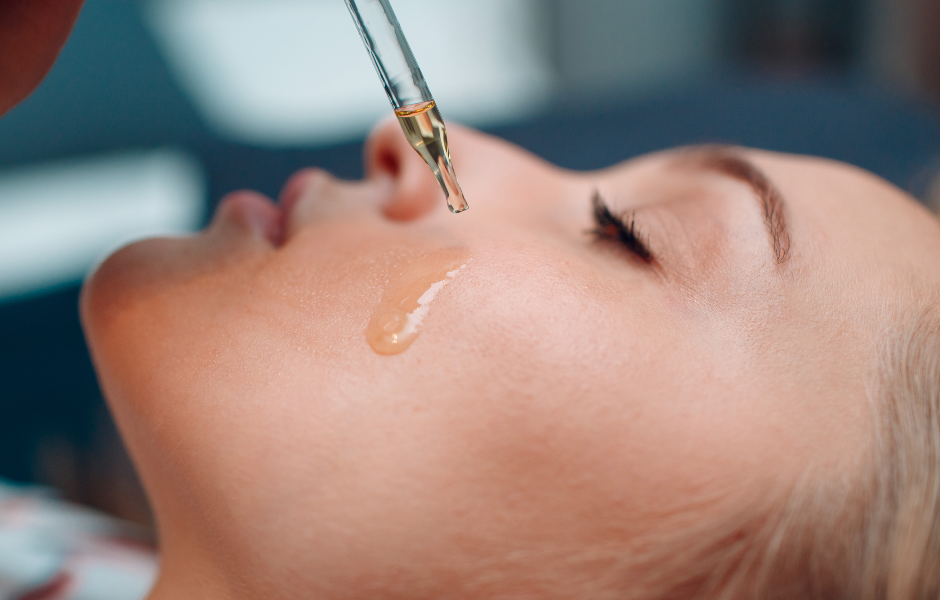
(415,191)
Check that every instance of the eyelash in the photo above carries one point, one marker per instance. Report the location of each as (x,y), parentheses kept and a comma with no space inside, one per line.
(617,228)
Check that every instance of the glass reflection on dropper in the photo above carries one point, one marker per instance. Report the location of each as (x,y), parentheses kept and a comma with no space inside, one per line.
(416,110)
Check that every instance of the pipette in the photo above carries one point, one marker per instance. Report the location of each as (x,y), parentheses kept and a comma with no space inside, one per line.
(416,110)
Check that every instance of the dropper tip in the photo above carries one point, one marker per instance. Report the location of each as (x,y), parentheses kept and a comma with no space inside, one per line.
(459,206)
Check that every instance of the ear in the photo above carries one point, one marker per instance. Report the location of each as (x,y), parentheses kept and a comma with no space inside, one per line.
(32,32)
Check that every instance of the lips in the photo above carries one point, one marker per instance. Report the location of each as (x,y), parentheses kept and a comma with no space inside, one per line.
(311,182)
(255,212)
(294,189)
(262,216)
(306,193)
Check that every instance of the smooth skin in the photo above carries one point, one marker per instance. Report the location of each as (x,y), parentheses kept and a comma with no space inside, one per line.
(563,402)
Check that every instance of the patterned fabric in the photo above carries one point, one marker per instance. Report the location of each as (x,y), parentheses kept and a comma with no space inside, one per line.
(51,550)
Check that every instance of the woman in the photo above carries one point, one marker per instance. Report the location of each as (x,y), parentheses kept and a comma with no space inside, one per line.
(705,373)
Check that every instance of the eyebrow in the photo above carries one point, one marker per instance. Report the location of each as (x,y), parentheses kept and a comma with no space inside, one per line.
(725,161)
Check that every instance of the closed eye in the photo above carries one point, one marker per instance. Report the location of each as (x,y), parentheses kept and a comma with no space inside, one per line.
(618,228)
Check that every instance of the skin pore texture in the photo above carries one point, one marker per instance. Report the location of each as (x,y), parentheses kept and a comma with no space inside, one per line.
(565,404)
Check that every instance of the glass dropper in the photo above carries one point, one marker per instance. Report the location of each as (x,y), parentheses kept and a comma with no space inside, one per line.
(416,110)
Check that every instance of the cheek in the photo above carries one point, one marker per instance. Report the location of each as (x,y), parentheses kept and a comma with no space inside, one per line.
(540,374)
(121,280)
(563,394)
(130,313)
(153,270)
(160,317)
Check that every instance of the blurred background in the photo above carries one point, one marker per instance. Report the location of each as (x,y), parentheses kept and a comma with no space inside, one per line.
(157,108)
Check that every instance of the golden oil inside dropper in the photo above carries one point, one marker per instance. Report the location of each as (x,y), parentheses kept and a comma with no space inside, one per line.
(424,129)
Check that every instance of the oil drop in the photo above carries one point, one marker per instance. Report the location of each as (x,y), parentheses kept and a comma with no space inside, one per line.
(406,302)
(424,128)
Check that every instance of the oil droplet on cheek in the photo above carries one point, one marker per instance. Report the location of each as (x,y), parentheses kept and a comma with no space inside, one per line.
(406,302)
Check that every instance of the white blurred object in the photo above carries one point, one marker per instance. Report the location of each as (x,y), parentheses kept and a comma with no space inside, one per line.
(294,72)
(58,551)
(634,47)
(57,220)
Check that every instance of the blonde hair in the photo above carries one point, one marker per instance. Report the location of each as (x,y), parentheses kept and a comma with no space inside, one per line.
(870,532)
(881,534)
(872,535)
(875,534)
(909,494)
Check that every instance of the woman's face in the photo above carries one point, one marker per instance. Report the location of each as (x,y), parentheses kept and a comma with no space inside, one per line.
(564,393)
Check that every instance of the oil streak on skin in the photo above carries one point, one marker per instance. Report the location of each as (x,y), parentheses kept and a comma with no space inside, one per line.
(397,320)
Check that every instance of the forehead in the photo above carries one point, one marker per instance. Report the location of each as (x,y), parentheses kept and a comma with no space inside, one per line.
(853,226)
